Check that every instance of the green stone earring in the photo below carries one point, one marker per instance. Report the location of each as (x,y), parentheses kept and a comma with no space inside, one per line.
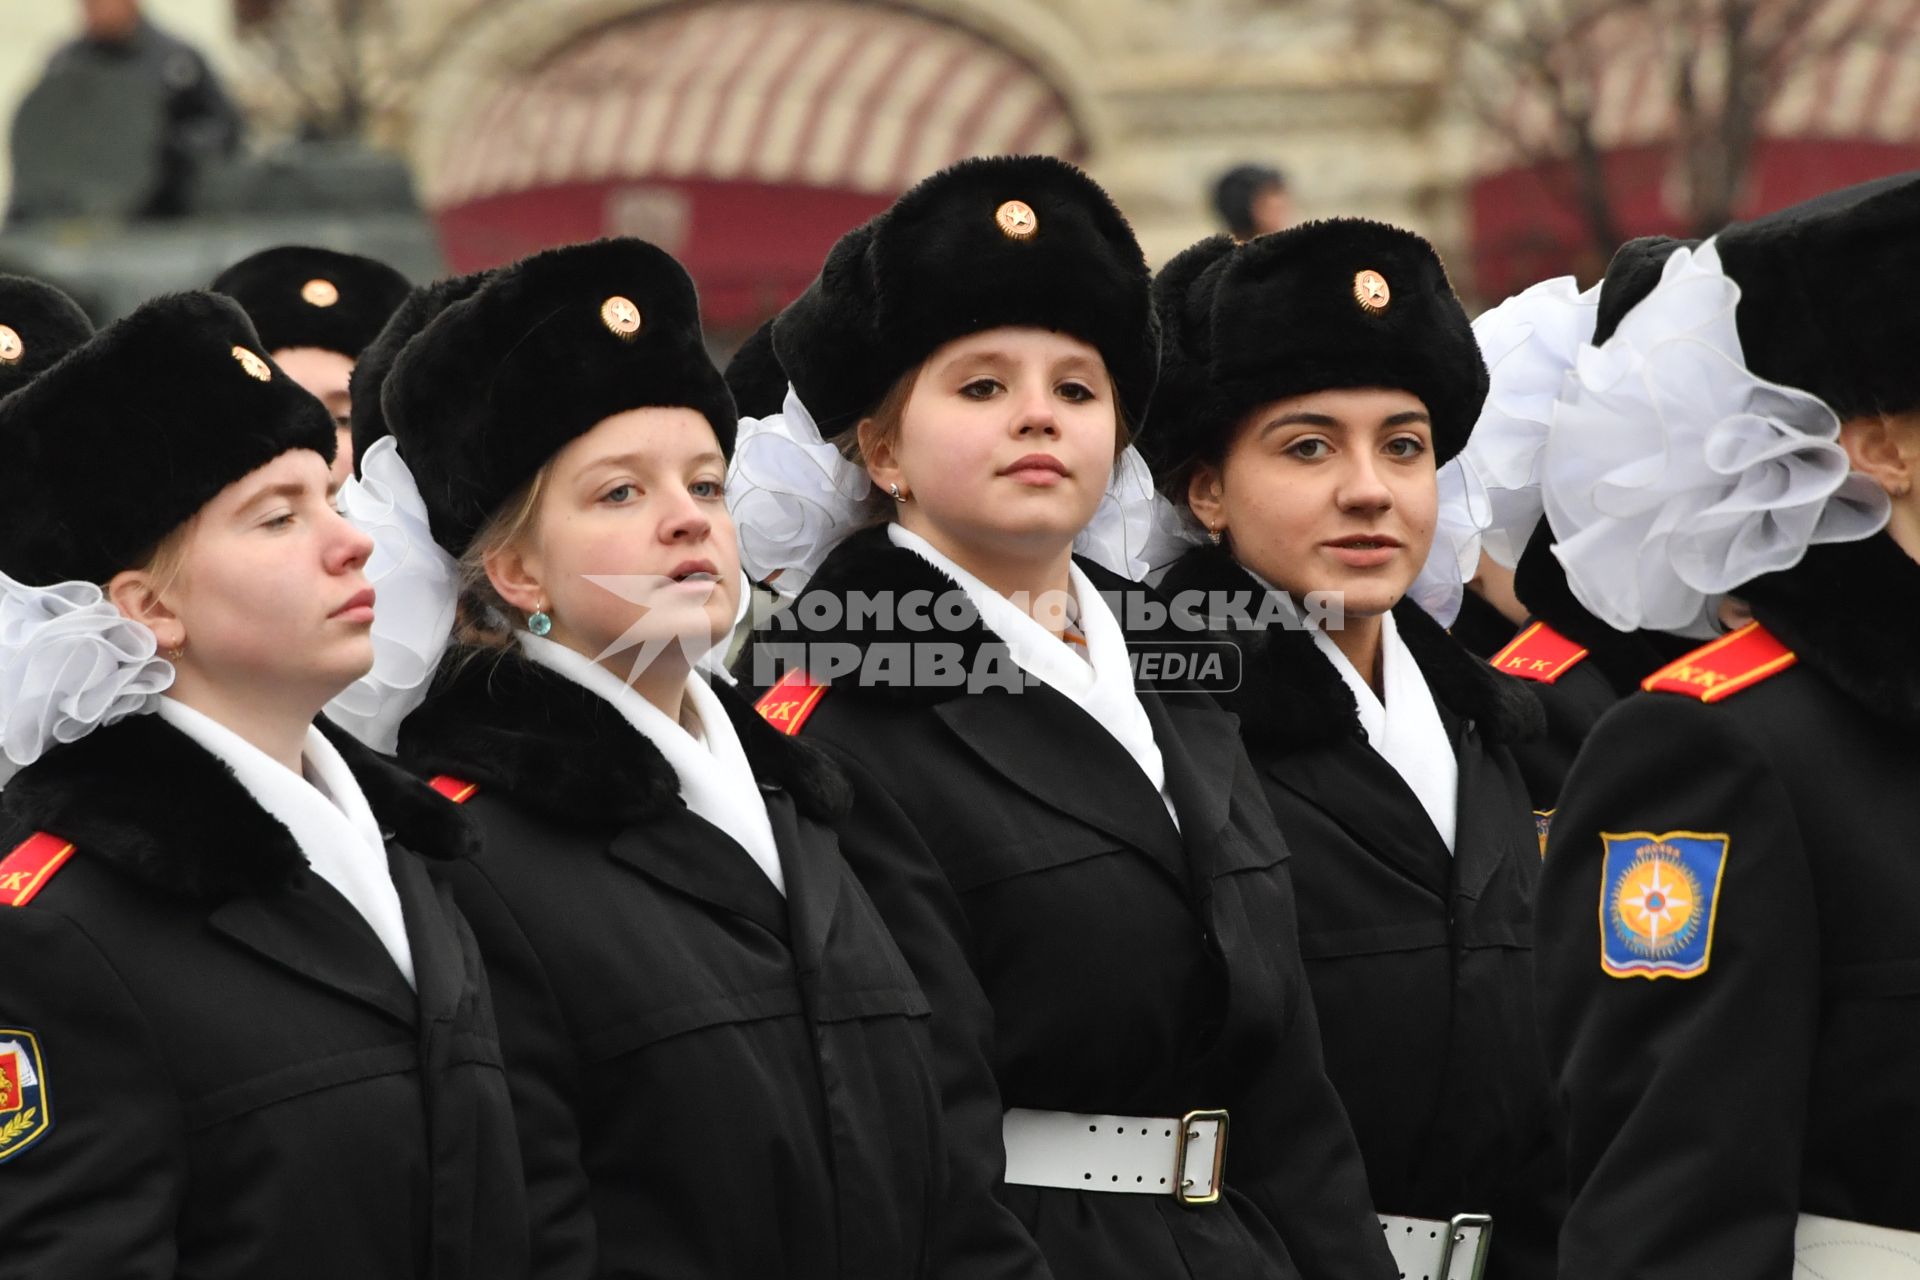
(539,623)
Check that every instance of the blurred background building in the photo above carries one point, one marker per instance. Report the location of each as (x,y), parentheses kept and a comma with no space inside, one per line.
(1526,137)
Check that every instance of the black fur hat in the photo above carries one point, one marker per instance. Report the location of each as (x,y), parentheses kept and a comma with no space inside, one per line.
(421,305)
(754,375)
(1005,240)
(1344,303)
(118,444)
(38,325)
(545,349)
(300,296)
(1825,303)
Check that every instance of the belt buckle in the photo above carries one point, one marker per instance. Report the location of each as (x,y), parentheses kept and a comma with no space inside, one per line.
(1455,1235)
(1182,1185)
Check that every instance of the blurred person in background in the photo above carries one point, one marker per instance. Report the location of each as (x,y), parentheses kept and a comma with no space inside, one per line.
(146,71)
(1252,200)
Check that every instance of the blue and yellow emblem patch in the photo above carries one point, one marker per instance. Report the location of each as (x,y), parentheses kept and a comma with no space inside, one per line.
(25,1111)
(1658,897)
(1543,827)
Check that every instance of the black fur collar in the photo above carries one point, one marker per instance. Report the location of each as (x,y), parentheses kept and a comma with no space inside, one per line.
(160,808)
(868,564)
(515,727)
(1291,697)
(1851,611)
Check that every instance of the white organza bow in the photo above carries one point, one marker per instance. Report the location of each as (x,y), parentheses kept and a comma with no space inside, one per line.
(1530,343)
(416,587)
(793,497)
(1673,475)
(69,663)
(1440,585)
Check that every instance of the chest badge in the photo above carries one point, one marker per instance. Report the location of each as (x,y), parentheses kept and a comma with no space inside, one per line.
(1658,898)
(25,1112)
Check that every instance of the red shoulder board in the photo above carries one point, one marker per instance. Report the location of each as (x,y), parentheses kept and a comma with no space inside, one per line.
(455,789)
(1538,653)
(787,705)
(1725,666)
(26,870)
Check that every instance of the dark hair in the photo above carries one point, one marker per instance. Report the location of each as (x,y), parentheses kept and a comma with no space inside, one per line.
(1235,191)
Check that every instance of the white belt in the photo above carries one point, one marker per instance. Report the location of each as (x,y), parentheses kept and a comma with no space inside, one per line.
(1136,1155)
(1437,1249)
(1830,1249)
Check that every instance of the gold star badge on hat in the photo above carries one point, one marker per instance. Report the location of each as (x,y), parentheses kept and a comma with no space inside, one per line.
(11,348)
(1371,292)
(1016,220)
(620,316)
(256,368)
(320,293)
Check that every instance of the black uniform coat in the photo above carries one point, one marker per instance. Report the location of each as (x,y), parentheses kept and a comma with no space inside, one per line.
(1082,954)
(1785,1078)
(713,1082)
(1421,960)
(242,1084)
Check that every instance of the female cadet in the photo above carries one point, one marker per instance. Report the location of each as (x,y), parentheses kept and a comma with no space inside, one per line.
(718,1056)
(1092,891)
(1313,381)
(241,1032)
(1729,971)
(316,310)
(38,325)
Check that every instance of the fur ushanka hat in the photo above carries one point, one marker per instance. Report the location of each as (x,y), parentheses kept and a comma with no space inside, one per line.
(543,351)
(375,362)
(1334,305)
(1026,241)
(754,375)
(38,325)
(300,296)
(122,441)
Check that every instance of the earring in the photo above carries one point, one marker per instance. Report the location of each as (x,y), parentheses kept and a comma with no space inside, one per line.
(178,652)
(893,491)
(1213,534)
(539,622)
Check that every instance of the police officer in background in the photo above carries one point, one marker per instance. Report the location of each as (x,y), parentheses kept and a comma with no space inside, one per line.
(316,311)
(1729,968)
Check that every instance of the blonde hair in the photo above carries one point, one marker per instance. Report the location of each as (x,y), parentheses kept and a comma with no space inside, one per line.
(482,617)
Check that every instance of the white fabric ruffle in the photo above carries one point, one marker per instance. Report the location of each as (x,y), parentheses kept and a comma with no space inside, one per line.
(1673,475)
(1530,343)
(793,497)
(416,585)
(1454,558)
(70,662)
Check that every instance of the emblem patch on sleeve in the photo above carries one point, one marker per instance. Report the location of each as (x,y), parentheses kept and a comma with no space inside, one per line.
(1658,897)
(25,1114)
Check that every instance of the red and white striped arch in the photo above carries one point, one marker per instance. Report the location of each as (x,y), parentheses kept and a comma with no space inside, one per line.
(696,124)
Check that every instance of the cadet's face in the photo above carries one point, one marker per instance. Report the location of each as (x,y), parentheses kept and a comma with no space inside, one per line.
(1333,491)
(640,499)
(270,593)
(325,374)
(1006,445)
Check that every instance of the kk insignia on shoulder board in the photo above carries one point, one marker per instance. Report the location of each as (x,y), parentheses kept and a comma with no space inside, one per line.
(1658,898)
(26,1113)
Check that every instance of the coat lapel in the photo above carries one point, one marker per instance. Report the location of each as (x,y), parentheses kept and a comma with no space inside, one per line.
(439,965)
(1353,785)
(1199,745)
(687,853)
(807,857)
(1044,744)
(308,929)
